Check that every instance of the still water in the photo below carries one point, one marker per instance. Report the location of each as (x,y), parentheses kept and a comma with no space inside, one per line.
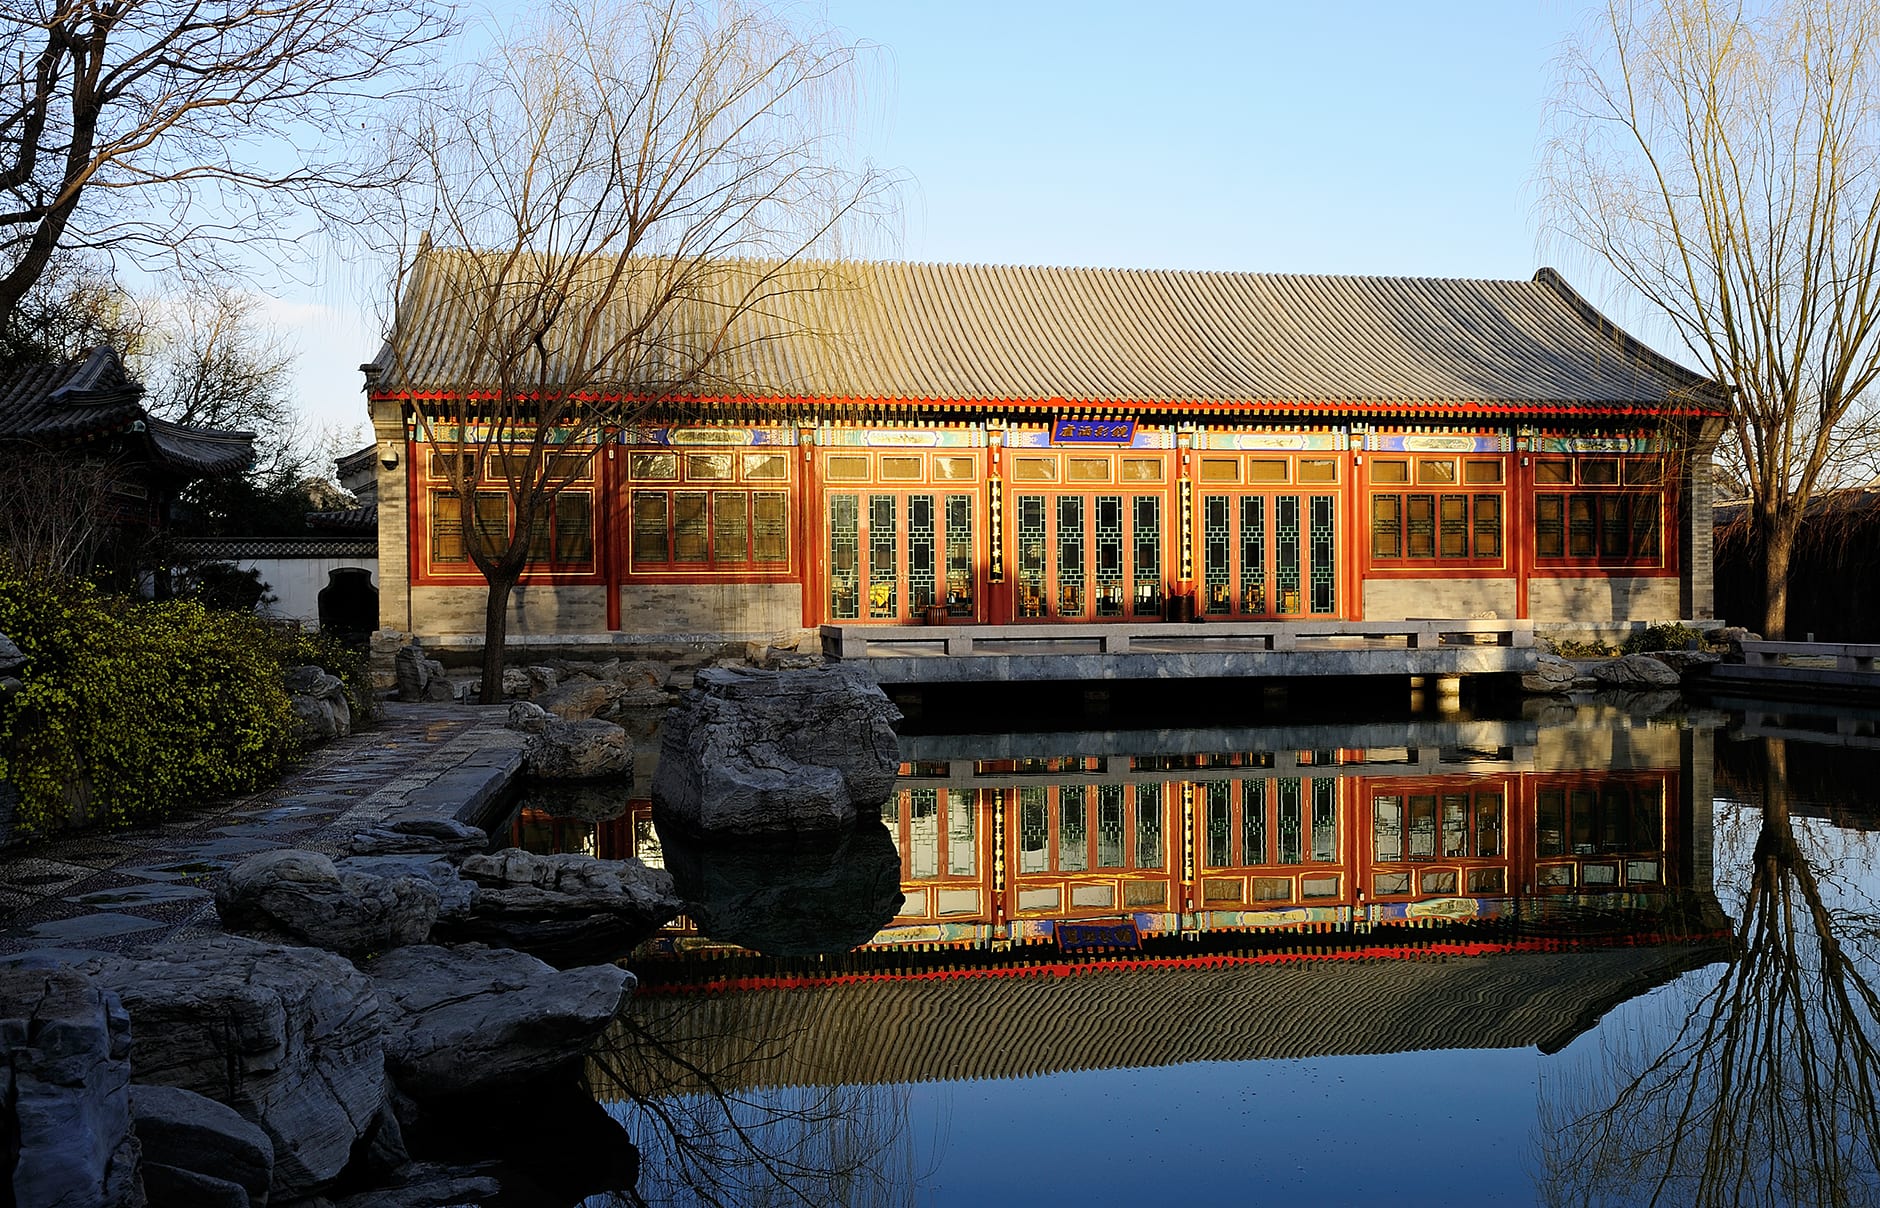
(1584,957)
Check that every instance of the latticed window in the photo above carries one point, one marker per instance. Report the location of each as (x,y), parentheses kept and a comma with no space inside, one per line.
(1591,510)
(704,511)
(448,538)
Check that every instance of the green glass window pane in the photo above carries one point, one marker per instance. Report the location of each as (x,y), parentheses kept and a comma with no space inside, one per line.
(1253,849)
(1109,826)
(574,527)
(844,557)
(1387,828)
(884,541)
(1290,823)
(1324,820)
(1073,827)
(923,806)
(1033,850)
(1148,826)
(691,537)
(1220,822)
(649,527)
(770,526)
(962,838)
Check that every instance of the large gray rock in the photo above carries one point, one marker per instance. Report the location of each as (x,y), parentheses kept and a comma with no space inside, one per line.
(301,894)
(419,832)
(528,717)
(470,1019)
(578,750)
(567,909)
(580,698)
(320,704)
(1551,675)
(454,894)
(65,1075)
(12,658)
(192,1139)
(769,752)
(1635,671)
(420,678)
(288,1037)
(637,673)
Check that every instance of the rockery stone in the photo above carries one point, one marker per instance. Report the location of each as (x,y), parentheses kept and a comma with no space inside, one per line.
(768,752)
(319,703)
(65,1093)
(567,909)
(471,1019)
(185,1134)
(288,1037)
(578,750)
(1636,671)
(302,894)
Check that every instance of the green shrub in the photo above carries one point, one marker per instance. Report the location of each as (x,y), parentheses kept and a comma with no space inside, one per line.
(131,710)
(1573,648)
(1668,636)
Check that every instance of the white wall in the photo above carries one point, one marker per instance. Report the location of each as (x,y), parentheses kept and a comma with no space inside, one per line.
(299,581)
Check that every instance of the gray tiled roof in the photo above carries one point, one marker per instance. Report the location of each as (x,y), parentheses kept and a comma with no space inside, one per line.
(58,403)
(975,333)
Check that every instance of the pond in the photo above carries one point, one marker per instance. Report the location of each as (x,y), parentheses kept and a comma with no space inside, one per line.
(1578,957)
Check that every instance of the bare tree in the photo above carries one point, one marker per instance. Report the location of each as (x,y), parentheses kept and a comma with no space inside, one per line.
(1724,161)
(74,306)
(612,194)
(155,129)
(57,510)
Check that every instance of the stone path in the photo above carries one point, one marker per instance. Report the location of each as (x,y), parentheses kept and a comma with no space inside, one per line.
(128,890)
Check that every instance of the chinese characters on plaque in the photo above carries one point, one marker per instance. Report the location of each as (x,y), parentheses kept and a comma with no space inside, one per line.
(1093,431)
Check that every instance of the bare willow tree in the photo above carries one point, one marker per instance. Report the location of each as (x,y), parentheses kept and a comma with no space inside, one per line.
(1723,160)
(605,202)
(156,130)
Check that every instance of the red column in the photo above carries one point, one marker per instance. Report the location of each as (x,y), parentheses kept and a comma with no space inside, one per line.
(607,479)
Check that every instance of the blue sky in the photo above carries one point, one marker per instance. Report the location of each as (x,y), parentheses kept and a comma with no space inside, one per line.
(1393,139)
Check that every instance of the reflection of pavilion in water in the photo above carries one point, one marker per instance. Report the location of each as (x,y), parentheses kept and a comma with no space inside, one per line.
(1022,843)
(1288,896)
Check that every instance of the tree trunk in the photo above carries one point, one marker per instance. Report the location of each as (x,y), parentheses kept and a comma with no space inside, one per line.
(1777,547)
(496,634)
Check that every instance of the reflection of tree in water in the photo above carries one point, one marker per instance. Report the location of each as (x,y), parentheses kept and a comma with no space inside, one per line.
(698,1096)
(1765,1092)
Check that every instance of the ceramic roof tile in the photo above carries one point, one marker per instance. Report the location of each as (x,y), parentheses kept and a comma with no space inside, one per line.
(950,332)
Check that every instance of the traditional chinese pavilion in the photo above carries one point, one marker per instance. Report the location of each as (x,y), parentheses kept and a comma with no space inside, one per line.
(1001,445)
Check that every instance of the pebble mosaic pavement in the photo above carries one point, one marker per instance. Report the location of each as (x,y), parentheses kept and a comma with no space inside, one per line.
(125,891)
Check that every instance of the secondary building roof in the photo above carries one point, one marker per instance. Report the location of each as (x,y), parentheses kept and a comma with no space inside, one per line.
(976,334)
(61,403)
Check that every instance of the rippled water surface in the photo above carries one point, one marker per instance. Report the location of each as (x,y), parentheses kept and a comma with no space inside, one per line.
(1580,958)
